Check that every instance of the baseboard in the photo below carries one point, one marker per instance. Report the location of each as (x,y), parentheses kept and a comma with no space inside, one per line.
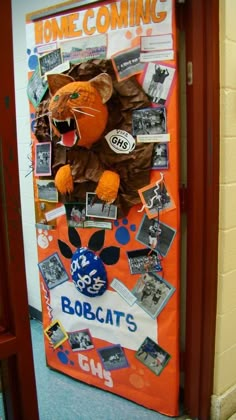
(35,313)
(223,407)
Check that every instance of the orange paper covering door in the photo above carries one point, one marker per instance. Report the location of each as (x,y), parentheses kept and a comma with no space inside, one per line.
(125,341)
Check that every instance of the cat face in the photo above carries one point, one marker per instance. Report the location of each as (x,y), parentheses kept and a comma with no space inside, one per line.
(77,110)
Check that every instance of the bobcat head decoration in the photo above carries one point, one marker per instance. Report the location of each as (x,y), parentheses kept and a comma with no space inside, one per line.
(77,109)
(76,114)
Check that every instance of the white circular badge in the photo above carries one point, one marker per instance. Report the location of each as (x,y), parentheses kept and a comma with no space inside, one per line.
(120,141)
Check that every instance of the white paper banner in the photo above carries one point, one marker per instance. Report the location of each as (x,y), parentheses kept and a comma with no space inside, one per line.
(108,317)
(112,19)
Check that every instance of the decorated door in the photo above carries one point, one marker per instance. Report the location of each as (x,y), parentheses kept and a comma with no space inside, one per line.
(103,94)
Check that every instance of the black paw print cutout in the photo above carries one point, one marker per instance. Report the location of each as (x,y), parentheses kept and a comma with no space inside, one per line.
(109,255)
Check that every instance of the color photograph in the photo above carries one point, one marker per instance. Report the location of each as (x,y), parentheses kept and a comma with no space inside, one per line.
(152,356)
(56,334)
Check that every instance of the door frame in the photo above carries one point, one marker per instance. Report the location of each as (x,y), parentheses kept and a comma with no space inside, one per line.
(16,359)
(201,23)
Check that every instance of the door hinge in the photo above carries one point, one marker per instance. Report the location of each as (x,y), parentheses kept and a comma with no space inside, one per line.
(189,73)
(183,198)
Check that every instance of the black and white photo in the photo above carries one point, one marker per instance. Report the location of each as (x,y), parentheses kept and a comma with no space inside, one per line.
(98,208)
(153,356)
(80,340)
(43,159)
(127,63)
(36,88)
(152,293)
(149,121)
(49,61)
(156,235)
(158,81)
(113,357)
(47,190)
(160,158)
(143,260)
(53,271)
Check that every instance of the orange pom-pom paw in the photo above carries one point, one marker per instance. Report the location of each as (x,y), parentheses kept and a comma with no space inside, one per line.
(64,180)
(108,186)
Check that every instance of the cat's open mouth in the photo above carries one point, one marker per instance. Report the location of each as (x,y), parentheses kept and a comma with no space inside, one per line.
(68,131)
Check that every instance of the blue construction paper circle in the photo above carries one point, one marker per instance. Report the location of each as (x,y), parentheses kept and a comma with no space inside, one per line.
(88,273)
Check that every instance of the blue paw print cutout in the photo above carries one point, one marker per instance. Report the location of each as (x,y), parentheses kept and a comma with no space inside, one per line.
(33,59)
(63,356)
(122,234)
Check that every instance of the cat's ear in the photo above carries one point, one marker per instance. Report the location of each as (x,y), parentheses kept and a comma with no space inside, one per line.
(56,81)
(103,84)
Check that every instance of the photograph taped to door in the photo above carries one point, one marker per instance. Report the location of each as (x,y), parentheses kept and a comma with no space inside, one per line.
(152,293)
(156,199)
(153,356)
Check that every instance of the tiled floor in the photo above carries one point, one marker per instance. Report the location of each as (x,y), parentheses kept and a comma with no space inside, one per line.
(62,398)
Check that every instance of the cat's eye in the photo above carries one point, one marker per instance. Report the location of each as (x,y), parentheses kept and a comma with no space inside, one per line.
(74,95)
(56,98)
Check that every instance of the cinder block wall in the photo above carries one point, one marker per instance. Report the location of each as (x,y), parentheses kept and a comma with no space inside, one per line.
(225,350)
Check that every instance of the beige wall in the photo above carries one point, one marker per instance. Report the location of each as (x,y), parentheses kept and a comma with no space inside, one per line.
(225,358)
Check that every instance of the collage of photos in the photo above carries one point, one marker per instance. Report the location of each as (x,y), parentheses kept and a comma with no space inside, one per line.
(150,354)
(152,293)
(139,84)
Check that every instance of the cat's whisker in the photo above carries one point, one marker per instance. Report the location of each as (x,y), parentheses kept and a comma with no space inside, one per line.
(47,114)
(89,107)
(82,112)
(78,130)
